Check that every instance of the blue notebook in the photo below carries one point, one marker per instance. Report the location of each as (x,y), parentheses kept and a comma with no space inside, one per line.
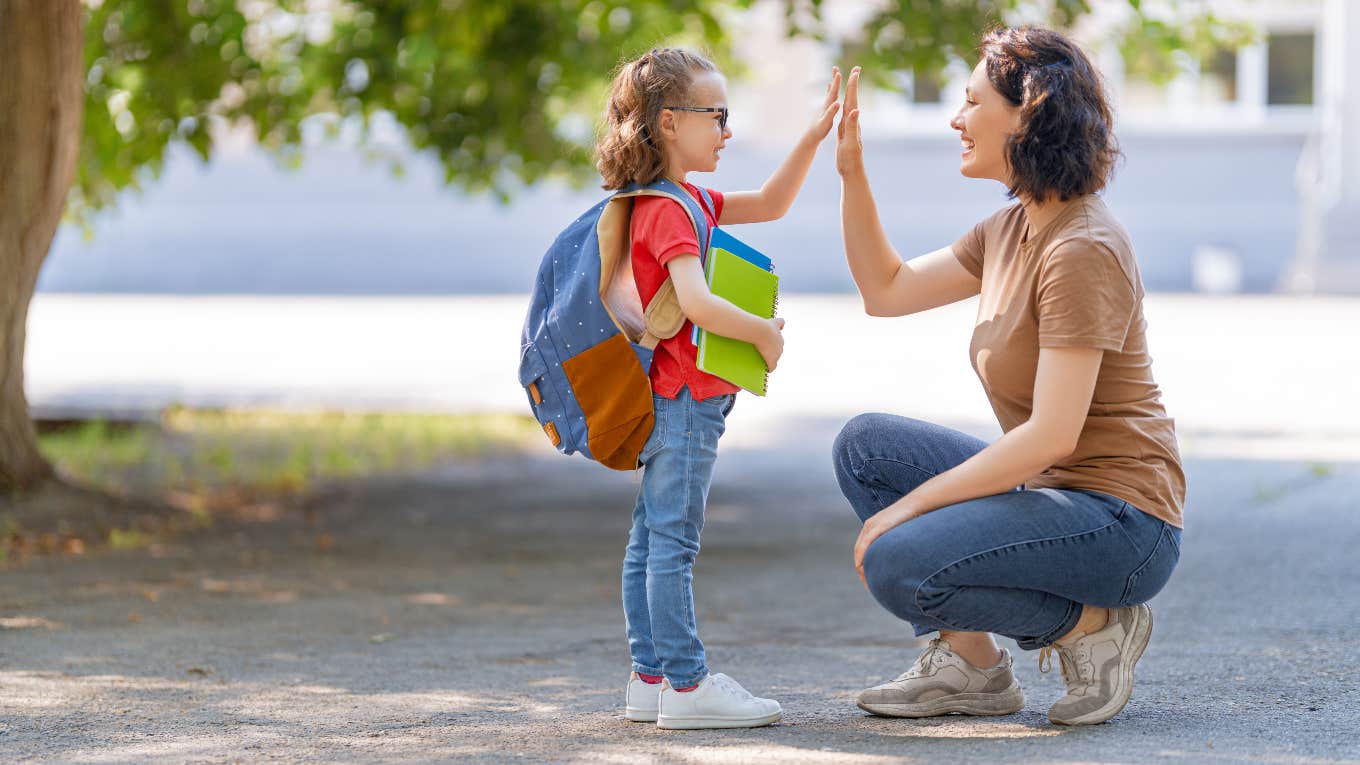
(719,239)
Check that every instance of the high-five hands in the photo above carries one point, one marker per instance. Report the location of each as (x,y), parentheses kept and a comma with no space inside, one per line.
(849,147)
(822,125)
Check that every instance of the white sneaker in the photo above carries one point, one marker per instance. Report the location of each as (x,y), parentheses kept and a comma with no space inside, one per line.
(718,702)
(640,700)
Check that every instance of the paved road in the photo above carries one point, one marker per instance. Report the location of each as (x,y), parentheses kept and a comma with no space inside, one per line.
(471,615)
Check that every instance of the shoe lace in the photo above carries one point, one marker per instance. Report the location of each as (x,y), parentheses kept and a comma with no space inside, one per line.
(731,687)
(1074,662)
(1045,659)
(932,655)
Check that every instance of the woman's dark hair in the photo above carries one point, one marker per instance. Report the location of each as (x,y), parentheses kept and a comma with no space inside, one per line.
(1066,144)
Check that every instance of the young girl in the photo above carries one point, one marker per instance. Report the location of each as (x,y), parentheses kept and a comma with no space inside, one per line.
(667,117)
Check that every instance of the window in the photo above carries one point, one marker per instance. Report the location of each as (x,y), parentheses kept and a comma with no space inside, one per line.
(1289,69)
(1218,77)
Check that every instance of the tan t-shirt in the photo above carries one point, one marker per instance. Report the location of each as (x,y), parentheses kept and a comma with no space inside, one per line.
(1075,284)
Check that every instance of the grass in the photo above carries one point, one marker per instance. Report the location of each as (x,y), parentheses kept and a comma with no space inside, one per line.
(1317,471)
(1321,470)
(201,458)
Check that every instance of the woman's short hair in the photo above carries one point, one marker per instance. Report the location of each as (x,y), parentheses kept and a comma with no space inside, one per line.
(1066,144)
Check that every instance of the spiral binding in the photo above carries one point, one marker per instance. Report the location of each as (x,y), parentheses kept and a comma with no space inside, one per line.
(774,311)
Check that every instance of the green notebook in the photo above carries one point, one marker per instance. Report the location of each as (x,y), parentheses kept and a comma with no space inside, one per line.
(753,289)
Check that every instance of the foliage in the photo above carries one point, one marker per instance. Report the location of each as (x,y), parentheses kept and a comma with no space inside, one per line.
(926,36)
(503,93)
(497,90)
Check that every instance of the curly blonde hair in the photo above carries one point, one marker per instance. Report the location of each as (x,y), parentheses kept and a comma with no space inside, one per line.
(627,153)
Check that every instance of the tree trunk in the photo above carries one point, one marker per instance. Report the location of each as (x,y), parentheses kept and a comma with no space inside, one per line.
(41,97)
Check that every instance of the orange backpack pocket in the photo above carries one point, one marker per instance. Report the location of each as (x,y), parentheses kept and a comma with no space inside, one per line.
(616,397)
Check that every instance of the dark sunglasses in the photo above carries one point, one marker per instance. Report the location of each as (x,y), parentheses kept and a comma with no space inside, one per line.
(720,110)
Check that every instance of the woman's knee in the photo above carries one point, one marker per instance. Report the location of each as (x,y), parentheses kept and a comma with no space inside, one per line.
(846,449)
(854,445)
(894,572)
(874,435)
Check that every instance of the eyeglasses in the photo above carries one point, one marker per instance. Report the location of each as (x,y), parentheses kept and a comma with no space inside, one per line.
(720,110)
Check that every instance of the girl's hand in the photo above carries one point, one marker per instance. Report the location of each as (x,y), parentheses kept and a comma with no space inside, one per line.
(772,346)
(849,147)
(884,521)
(822,125)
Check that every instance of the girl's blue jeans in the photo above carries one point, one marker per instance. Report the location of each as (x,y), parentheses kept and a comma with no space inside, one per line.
(658,596)
(1019,564)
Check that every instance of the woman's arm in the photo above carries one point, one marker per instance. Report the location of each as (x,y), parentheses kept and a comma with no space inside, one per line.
(888,286)
(1063,386)
(720,316)
(777,194)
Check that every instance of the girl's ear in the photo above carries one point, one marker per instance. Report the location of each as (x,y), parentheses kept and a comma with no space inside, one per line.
(665,123)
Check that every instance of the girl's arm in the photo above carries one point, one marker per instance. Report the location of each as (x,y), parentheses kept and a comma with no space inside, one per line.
(888,286)
(778,193)
(720,316)
(1063,386)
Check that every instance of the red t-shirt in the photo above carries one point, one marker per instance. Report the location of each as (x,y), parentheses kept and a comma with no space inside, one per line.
(661,232)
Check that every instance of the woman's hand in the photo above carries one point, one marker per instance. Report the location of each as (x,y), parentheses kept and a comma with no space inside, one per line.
(849,148)
(882,522)
(822,125)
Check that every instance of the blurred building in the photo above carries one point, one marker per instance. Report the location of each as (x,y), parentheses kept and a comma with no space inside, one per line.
(1241,175)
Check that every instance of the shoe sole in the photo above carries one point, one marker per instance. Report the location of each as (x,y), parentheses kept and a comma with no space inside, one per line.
(1006,702)
(707,723)
(1128,657)
(639,715)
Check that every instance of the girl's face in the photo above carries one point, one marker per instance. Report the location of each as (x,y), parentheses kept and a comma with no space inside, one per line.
(693,140)
(984,122)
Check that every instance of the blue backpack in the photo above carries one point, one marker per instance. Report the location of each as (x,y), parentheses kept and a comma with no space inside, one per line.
(587,345)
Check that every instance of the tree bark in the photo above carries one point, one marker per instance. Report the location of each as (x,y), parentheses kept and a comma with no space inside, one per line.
(41,98)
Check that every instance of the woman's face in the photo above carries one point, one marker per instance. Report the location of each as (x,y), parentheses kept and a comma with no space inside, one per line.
(984,122)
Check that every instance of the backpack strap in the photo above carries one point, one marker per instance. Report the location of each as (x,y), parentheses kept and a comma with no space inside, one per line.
(708,202)
(663,315)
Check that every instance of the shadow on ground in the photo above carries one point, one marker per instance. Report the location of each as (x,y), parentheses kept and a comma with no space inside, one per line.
(472,614)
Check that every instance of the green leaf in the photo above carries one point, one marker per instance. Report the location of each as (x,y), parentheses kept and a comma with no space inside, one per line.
(495,90)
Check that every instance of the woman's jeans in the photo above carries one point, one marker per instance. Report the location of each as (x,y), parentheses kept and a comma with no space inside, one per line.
(658,598)
(1018,564)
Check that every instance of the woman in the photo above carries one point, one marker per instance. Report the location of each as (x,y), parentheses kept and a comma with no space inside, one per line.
(1067,561)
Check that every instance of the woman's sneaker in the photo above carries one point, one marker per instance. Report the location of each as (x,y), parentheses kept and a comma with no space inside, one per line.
(1098,667)
(718,702)
(941,683)
(639,701)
